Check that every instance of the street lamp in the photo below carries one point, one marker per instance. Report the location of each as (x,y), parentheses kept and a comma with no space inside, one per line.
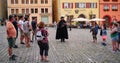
(91,15)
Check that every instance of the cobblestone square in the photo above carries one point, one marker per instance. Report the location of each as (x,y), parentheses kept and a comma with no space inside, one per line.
(79,48)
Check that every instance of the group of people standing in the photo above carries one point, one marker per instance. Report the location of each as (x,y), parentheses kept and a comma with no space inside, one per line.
(114,33)
(24,26)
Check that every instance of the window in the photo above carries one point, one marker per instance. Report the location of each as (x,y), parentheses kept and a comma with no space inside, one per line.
(36,10)
(46,10)
(17,11)
(27,1)
(12,11)
(27,11)
(23,2)
(67,5)
(23,11)
(42,10)
(80,5)
(106,7)
(46,1)
(114,7)
(106,0)
(93,5)
(42,1)
(115,0)
(31,1)
(32,10)
(12,1)
(36,1)
(16,1)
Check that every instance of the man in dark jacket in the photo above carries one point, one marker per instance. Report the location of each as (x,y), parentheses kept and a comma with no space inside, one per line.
(62,32)
(34,27)
(15,23)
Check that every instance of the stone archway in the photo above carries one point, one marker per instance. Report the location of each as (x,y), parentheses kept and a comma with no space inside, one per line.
(82,16)
(82,24)
(107,20)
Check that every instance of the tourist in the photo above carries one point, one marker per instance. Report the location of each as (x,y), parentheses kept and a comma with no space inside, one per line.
(26,30)
(94,30)
(34,27)
(43,43)
(11,35)
(21,29)
(114,37)
(15,23)
(118,36)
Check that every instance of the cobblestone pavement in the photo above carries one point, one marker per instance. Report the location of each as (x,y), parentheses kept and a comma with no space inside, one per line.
(77,49)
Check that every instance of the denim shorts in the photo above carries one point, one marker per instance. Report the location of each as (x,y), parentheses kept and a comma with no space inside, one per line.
(115,39)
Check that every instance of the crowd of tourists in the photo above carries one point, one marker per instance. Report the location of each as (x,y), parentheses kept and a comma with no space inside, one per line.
(40,34)
(25,27)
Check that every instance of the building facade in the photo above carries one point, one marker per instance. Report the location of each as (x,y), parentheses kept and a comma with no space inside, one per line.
(42,9)
(110,10)
(78,8)
(3,9)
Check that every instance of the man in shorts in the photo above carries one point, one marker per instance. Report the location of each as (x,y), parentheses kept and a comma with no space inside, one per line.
(21,29)
(11,34)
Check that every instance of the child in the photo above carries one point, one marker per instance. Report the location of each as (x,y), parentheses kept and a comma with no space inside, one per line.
(104,35)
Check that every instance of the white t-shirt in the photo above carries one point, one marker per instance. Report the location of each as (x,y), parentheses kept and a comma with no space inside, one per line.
(26,27)
(21,24)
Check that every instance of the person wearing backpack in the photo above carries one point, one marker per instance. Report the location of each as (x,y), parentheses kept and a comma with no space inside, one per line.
(42,39)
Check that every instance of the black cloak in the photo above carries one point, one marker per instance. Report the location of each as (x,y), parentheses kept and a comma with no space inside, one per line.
(62,30)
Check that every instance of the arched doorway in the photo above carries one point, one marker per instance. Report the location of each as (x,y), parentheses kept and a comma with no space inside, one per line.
(82,16)
(107,20)
(82,24)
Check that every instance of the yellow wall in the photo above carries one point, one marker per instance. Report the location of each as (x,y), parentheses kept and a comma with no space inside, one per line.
(85,11)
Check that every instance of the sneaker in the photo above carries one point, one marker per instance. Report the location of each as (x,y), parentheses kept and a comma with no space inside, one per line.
(22,43)
(104,44)
(14,55)
(113,52)
(15,46)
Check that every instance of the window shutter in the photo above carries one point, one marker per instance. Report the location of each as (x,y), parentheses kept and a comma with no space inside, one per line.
(68,5)
(62,5)
(75,5)
(96,5)
(72,5)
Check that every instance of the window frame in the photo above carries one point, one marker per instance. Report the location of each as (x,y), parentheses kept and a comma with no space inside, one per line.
(12,1)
